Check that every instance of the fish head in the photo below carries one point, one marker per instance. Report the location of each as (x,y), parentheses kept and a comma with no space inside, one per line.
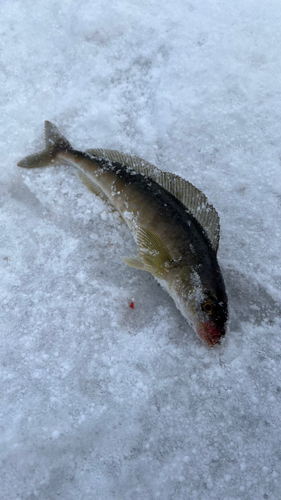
(204,306)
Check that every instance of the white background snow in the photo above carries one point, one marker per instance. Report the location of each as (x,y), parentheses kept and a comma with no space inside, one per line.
(100,401)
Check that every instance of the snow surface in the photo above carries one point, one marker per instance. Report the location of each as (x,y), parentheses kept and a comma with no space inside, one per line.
(98,400)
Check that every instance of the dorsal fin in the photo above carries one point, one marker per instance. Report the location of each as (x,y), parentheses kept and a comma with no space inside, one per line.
(194,200)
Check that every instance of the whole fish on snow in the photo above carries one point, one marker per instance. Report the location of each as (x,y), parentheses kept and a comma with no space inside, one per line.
(176,230)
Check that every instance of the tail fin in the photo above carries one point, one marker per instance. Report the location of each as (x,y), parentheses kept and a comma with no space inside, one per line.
(54,142)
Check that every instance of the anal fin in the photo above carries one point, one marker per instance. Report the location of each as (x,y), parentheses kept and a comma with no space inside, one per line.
(90,185)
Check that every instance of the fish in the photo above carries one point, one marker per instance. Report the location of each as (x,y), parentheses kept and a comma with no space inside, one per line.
(175,228)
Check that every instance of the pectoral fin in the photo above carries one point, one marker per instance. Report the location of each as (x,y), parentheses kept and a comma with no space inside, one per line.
(154,254)
(153,257)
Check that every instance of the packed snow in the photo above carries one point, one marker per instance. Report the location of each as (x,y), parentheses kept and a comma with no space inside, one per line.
(106,392)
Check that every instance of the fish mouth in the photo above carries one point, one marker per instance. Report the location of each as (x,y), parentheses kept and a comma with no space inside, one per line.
(209,333)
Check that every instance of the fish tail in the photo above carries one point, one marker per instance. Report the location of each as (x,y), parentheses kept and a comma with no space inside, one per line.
(54,143)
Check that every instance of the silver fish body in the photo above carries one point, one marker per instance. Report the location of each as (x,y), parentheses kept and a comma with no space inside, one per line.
(176,230)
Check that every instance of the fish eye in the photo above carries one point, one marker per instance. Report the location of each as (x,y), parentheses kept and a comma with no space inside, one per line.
(208,307)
